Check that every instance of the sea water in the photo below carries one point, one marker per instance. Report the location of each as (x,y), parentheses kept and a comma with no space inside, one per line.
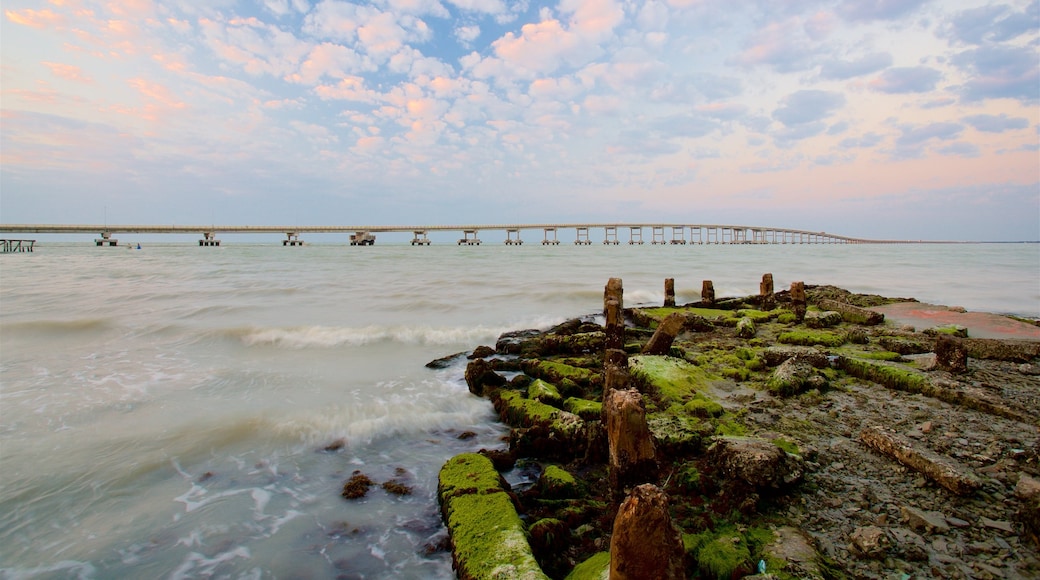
(186,412)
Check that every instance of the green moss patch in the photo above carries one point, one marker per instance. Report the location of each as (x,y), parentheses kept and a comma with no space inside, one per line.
(556,482)
(584,408)
(544,392)
(718,554)
(488,538)
(812,338)
(672,380)
(558,374)
(595,568)
(517,411)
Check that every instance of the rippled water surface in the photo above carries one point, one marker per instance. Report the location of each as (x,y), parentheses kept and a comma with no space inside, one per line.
(165,412)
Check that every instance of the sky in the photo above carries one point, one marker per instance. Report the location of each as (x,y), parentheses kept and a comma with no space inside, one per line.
(884,119)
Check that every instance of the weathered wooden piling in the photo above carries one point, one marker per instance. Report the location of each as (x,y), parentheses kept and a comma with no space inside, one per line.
(798,300)
(630,446)
(944,470)
(615,326)
(707,293)
(615,291)
(664,336)
(669,292)
(765,293)
(645,542)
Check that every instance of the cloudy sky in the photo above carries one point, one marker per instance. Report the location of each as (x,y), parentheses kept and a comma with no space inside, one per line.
(898,119)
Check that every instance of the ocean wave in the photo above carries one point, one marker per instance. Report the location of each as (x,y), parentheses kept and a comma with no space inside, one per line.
(58,327)
(302,337)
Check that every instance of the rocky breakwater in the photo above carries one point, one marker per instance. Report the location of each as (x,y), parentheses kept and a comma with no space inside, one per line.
(790,434)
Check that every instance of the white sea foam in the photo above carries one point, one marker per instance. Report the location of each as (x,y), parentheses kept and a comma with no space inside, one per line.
(302,337)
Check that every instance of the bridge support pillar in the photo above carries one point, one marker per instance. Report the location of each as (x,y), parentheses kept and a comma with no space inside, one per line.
(292,239)
(582,237)
(208,240)
(635,235)
(545,237)
(106,239)
(469,238)
(417,241)
(610,235)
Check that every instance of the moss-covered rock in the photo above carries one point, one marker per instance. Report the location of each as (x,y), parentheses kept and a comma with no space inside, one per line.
(544,392)
(746,328)
(812,338)
(488,539)
(719,554)
(557,483)
(671,379)
(596,567)
(541,430)
(561,375)
(584,408)
(679,435)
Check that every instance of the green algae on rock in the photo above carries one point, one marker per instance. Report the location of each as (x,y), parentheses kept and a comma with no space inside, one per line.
(488,539)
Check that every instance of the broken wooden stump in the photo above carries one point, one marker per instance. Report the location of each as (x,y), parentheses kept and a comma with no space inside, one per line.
(613,291)
(664,336)
(766,300)
(798,300)
(945,471)
(645,543)
(707,293)
(614,328)
(631,452)
(669,292)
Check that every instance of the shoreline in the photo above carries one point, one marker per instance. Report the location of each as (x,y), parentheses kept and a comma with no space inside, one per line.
(717,386)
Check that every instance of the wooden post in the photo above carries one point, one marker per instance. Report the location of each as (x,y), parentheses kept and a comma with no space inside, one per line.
(765,293)
(629,443)
(669,292)
(613,290)
(615,326)
(707,293)
(665,334)
(798,300)
(645,543)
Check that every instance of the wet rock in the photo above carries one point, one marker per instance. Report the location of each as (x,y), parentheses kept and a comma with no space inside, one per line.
(852,313)
(951,355)
(1019,351)
(826,319)
(903,345)
(480,374)
(793,547)
(757,462)
(928,522)
(357,486)
(746,328)
(868,542)
(481,352)
(512,342)
(775,355)
(445,361)
(795,376)
(645,543)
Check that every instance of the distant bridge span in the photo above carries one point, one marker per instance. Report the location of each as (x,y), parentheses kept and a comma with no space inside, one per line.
(660,233)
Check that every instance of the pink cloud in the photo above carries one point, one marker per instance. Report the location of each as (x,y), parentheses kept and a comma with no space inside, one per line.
(68,72)
(39,19)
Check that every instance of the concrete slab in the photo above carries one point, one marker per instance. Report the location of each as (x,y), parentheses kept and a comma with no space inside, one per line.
(979,324)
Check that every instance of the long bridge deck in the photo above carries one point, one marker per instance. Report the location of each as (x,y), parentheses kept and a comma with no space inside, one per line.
(659,233)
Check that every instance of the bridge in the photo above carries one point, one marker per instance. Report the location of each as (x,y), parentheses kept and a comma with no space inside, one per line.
(659,233)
